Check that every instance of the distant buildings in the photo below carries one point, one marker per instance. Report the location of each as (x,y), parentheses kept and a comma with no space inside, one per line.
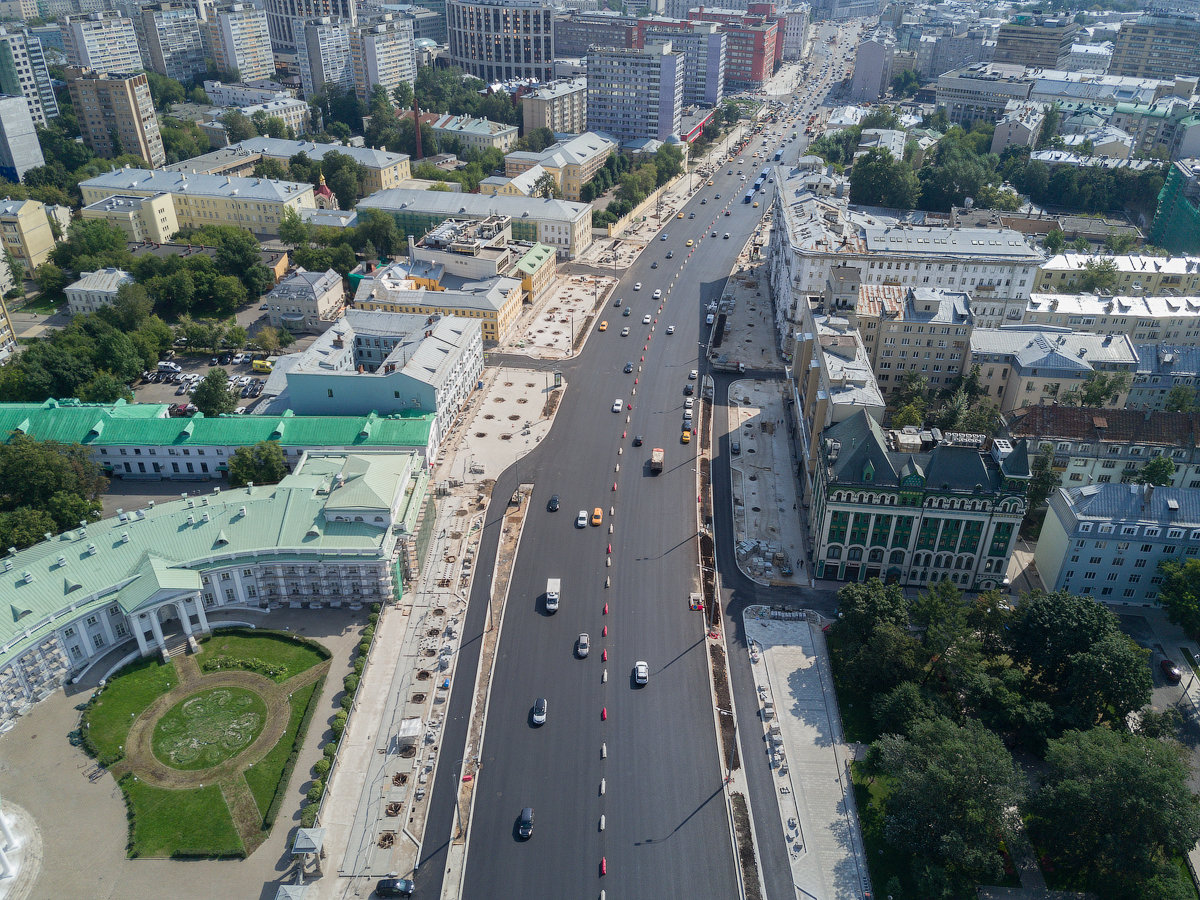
(502,40)
(872,75)
(1031,39)
(1157,46)
(239,40)
(560,106)
(306,302)
(795,31)
(1135,275)
(19,147)
(8,337)
(636,94)
(95,290)
(578,31)
(174,40)
(323,55)
(116,115)
(25,232)
(571,163)
(477,134)
(704,47)
(382,52)
(245,94)
(753,42)
(141,218)
(285,19)
(23,72)
(384,169)
(103,42)
(1020,125)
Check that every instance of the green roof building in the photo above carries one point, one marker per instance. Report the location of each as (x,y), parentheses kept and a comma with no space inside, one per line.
(329,534)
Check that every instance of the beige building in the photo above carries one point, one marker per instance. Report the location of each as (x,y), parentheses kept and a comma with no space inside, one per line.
(1027,365)
(141,218)
(560,106)
(477,134)
(25,232)
(1170,319)
(306,301)
(1136,274)
(384,169)
(256,204)
(536,270)
(8,337)
(116,115)
(572,163)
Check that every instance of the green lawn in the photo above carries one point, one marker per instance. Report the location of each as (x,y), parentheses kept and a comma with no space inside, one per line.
(208,728)
(265,777)
(109,716)
(882,859)
(167,823)
(274,655)
(41,304)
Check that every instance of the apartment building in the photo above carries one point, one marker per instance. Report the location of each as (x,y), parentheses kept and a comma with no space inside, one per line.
(753,42)
(578,31)
(239,39)
(141,218)
(174,40)
(981,92)
(1025,365)
(704,47)
(256,204)
(1108,540)
(19,147)
(1020,126)
(939,53)
(24,73)
(382,52)
(1157,45)
(895,506)
(560,106)
(25,232)
(104,42)
(306,302)
(323,55)
(1030,39)
(1162,367)
(571,163)
(502,40)
(8,337)
(1103,446)
(1135,274)
(116,114)
(795,31)
(872,76)
(95,290)
(1145,319)
(636,94)
(477,134)
(245,94)
(286,18)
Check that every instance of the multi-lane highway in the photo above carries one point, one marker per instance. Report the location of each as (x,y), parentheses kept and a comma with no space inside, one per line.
(644,758)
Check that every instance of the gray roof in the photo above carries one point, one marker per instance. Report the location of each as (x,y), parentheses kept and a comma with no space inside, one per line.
(1134,503)
(156,180)
(1055,349)
(105,280)
(279,148)
(922,240)
(447,204)
(1167,359)
(303,284)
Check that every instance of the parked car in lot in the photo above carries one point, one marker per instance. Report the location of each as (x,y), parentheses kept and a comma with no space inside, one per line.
(1170,671)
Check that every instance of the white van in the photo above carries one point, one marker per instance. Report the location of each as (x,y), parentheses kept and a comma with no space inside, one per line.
(165,366)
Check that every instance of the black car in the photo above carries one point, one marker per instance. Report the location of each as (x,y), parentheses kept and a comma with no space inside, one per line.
(637,440)
(225,358)
(1170,671)
(736,448)
(688,390)
(525,823)
(628,311)
(394,887)
(628,367)
(552,506)
(670,254)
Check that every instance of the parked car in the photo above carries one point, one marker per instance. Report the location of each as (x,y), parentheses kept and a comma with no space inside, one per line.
(394,887)
(1170,671)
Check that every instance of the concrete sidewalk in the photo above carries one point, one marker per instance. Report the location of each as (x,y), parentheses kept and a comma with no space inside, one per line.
(801,731)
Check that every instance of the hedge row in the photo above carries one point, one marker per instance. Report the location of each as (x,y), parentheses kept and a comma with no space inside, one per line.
(288,767)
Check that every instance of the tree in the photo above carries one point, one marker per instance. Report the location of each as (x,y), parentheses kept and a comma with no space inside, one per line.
(1100,389)
(546,187)
(1049,126)
(1097,275)
(1048,628)
(1181,398)
(908,415)
(1107,682)
(1044,479)
(292,230)
(24,527)
(879,180)
(1115,809)
(212,395)
(105,387)
(1180,593)
(1158,471)
(952,790)
(59,480)
(864,607)
(536,140)
(668,162)
(261,464)
(897,711)
(51,279)
(238,126)
(1054,241)
(267,339)
(906,83)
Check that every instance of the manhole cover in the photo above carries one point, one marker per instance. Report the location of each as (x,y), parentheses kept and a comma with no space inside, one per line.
(422,675)
(428,653)
(418,698)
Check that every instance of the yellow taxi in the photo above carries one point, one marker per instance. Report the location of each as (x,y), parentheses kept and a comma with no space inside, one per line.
(710,184)
(597,516)
(679,216)
(689,243)
(603,326)
(756,204)
(685,438)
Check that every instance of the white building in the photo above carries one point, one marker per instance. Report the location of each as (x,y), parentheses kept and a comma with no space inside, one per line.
(306,301)
(323,55)
(285,19)
(95,290)
(1093,58)
(795,31)
(243,94)
(174,40)
(383,53)
(240,41)
(23,70)
(103,42)
(292,112)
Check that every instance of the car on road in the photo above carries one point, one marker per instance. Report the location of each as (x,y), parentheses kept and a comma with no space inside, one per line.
(663,237)
(710,182)
(736,448)
(625,331)
(1170,671)
(714,234)
(689,403)
(637,440)
(691,215)
(597,516)
(657,295)
(692,375)
(617,405)
(690,242)
(688,390)
(628,311)
(756,204)
(552,503)
(670,254)
(654,265)
(525,823)
(540,709)
(581,519)
(637,285)
(603,325)
(583,644)
(647,319)
(687,417)
(394,887)
(679,216)
(618,301)
(685,438)
(727,235)
(670,329)
(717,196)
(641,672)
(727,212)
(703,202)
(628,367)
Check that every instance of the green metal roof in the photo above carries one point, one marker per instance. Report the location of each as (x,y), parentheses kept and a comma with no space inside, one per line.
(147,424)
(532,261)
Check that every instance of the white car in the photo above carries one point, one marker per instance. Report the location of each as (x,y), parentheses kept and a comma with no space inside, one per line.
(617,405)
(581,519)
(692,375)
(670,329)
(625,331)
(637,286)
(647,319)
(689,403)
(641,672)
(583,644)
(657,295)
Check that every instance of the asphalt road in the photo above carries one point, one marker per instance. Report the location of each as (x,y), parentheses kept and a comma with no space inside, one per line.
(666,829)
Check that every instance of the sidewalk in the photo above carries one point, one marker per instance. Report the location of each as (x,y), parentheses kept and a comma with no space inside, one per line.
(801,732)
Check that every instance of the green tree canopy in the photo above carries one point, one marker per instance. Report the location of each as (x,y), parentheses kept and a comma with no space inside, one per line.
(262,463)
(212,395)
(879,180)
(1159,471)
(1179,594)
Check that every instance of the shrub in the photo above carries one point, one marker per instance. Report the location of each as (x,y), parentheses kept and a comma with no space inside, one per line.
(315,792)
(338,725)
(297,743)
(359,665)
(308,815)
(321,767)
(350,684)
(330,749)
(252,664)
(347,701)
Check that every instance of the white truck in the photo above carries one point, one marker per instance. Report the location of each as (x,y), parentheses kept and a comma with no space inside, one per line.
(553,585)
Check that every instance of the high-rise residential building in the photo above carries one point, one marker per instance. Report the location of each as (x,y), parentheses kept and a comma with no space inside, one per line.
(1157,46)
(103,42)
(23,72)
(19,147)
(116,114)
(576,32)
(635,94)
(560,106)
(323,54)
(795,31)
(873,60)
(382,53)
(1030,39)
(703,47)
(502,40)
(240,41)
(285,17)
(174,40)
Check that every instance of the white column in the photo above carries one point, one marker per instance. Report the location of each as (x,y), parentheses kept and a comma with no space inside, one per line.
(139,633)
(157,629)
(106,628)
(184,619)
(199,599)
(10,841)
(5,866)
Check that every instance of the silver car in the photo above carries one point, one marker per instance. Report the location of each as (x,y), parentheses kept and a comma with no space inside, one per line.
(582,644)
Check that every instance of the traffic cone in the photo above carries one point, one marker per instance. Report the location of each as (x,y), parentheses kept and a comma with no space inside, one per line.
(610,548)
(603,866)
(604,631)
(606,609)
(604,656)
(604,714)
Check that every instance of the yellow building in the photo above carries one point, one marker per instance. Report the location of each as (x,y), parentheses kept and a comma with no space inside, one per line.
(8,337)
(384,169)
(536,271)
(495,302)
(141,218)
(256,204)
(1136,275)
(26,233)
(573,163)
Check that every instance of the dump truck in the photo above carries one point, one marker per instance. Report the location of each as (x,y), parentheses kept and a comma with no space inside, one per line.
(656,459)
(553,585)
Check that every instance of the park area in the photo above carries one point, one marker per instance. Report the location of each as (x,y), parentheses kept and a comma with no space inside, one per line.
(203,746)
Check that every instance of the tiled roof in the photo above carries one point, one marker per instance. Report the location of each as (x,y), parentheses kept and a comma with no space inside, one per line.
(1119,426)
